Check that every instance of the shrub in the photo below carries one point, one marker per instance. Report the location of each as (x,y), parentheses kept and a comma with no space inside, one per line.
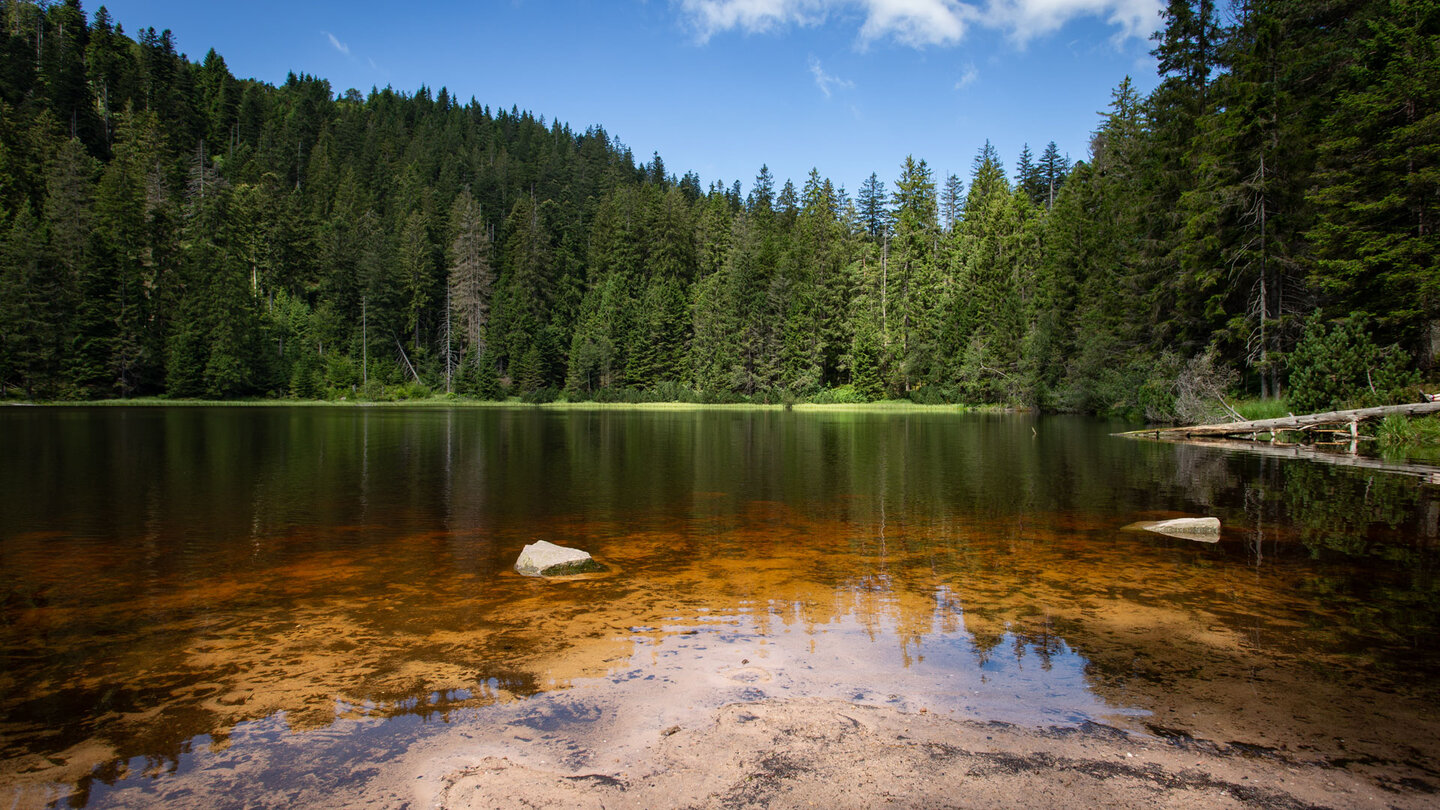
(672,391)
(1338,365)
(1200,387)
(410,390)
(925,395)
(539,396)
(1395,432)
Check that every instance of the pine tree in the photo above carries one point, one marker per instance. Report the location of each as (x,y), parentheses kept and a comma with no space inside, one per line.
(417,273)
(27,326)
(1244,215)
(952,203)
(1378,186)
(913,276)
(471,278)
(111,72)
(526,288)
(135,229)
(1053,170)
(80,291)
(1029,177)
(985,323)
(871,204)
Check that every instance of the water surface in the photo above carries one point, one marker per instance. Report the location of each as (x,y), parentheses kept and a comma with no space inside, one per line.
(232,605)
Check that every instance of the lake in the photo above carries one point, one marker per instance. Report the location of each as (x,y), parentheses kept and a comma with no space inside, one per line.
(232,606)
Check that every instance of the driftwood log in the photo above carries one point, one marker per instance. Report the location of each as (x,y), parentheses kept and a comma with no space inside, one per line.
(1350,419)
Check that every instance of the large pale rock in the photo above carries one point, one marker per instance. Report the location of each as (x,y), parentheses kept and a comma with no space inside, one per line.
(545,559)
(1205,530)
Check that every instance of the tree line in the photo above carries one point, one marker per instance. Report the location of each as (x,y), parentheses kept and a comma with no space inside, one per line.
(169,229)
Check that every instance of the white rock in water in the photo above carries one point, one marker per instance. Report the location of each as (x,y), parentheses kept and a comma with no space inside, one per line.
(545,559)
(1206,529)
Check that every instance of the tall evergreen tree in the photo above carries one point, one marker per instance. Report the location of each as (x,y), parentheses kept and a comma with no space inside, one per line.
(871,205)
(1053,169)
(471,277)
(1378,188)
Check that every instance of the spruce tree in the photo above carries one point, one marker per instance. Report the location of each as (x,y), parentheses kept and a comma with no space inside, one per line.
(1378,186)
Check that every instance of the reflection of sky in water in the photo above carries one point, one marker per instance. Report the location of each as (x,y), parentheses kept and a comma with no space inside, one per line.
(678,670)
(863,658)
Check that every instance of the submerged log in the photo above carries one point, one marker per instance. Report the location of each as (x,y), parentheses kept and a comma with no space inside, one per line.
(1303,422)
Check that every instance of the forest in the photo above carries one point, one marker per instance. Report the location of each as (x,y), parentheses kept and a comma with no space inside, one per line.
(1263,222)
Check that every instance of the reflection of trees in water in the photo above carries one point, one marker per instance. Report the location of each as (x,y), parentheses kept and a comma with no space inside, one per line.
(1335,510)
(1370,537)
(1344,510)
(1209,477)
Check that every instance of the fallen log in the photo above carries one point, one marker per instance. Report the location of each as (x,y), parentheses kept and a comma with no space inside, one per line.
(1302,422)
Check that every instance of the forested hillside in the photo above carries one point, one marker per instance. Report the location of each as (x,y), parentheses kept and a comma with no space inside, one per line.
(1270,209)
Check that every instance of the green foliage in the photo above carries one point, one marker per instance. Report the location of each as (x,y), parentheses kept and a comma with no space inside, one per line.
(1378,195)
(1395,432)
(1255,409)
(1402,436)
(1337,365)
(841,395)
(167,229)
(1323,503)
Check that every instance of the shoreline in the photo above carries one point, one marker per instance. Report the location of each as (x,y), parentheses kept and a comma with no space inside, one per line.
(884,406)
(813,752)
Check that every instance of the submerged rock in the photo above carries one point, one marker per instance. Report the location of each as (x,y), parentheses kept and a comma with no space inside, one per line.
(545,559)
(1206,529)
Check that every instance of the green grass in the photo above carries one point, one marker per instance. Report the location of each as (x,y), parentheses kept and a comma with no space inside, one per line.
(444,401)
(1396,432)
(1254,409)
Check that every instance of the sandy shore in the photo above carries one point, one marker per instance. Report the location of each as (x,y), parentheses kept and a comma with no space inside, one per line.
(829,753)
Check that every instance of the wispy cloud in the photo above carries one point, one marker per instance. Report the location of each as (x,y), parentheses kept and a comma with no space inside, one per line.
(1024,20)
(969,77)
(827,82)
(339,46)
(917,23)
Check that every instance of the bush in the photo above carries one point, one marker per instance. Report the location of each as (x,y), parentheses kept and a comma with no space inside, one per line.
(341,371)
(540,396)
(672,391)
(1338,365)
(410,390)
(842,395)
(927,395)
(1201,386)
(1395,432)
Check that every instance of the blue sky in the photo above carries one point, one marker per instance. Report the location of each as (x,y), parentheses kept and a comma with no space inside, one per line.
(717,86)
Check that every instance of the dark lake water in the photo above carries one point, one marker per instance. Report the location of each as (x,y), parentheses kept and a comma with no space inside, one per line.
(232,606)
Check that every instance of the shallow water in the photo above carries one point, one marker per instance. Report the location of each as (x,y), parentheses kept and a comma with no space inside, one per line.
(263,605)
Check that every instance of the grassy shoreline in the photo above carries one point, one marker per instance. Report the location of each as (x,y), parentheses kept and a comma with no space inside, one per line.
(891,406)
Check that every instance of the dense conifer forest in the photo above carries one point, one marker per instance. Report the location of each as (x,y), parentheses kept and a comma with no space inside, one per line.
(1264,220)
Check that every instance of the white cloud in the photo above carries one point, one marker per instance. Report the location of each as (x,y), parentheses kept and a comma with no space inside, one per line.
(1027,19)
(339,46)
(827,83)
(969,77)
(710,17)
(917,23)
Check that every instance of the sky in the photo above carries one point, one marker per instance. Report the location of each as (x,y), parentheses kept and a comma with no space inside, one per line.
(718,87)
